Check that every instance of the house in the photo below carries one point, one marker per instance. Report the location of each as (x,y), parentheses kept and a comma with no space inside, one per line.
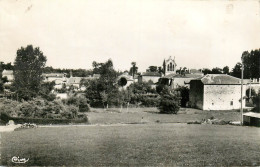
(216,92)
(56,77)
(74,81)
(125,80)
(178,80)
(149,76)
(9,74)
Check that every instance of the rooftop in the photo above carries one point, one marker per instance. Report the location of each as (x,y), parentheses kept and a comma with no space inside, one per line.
(219,79)
(151,74)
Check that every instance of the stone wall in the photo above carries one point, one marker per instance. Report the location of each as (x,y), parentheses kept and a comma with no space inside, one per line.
(222,97)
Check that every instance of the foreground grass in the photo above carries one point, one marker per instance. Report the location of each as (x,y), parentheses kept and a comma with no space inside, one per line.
(135,145)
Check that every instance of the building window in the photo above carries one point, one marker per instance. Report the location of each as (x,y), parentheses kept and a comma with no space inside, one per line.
(168,68)
(231,103)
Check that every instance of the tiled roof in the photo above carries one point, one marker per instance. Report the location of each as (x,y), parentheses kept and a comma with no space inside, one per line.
(182,76)
(74,80)
(219,79)
(155,74)
(53,75)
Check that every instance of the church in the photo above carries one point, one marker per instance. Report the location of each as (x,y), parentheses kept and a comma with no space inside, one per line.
(175,78)
(169,66)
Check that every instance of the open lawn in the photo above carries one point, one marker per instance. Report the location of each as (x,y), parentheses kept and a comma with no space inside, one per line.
(151,115)
(149,144)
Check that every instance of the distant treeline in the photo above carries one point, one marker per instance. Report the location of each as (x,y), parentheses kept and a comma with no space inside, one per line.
(75,72)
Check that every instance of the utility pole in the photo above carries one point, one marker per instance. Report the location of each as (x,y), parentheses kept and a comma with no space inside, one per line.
(242,77)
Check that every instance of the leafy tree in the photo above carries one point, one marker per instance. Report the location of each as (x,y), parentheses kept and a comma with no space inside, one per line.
(7,66)
(206,71)
(251,63)
(236,71)
(133,70)
(169,102)
(226,70)
(45,91)
(164,67)
(122,82)
(216,70)
(104,97)
(152,69)
(28,67)
(106,83)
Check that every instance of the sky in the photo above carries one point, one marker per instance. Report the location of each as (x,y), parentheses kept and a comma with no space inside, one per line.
(74,33)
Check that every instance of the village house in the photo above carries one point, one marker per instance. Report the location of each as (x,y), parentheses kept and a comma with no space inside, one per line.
(216,92)
(149,76)
(9,74)
(174,80)
(125,80)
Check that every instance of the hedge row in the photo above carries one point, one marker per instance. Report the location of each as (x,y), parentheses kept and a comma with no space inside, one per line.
(4,118)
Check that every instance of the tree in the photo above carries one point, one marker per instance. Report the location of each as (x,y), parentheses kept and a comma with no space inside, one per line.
(251,63)
(226,70)
(28,67)
(169,102)
(236,71)
(216,70)
(133,70)
(164,67)
(104,85)
(206,71)
(152,68)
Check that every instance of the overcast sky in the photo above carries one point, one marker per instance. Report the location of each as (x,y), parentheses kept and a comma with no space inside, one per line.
(74,33)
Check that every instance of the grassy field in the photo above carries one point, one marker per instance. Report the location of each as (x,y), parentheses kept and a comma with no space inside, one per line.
(151,115)
(134,145)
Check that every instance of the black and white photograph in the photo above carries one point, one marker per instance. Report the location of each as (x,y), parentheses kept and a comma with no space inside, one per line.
(130,83)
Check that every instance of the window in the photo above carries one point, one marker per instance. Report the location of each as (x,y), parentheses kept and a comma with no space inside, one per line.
(170,66)
(231,103)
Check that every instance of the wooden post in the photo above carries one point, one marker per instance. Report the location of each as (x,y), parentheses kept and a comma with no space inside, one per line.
(242,76)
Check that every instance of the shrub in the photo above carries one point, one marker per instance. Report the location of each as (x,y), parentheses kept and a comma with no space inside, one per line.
(9,107)
(27,109)
(169,102)
(79,101)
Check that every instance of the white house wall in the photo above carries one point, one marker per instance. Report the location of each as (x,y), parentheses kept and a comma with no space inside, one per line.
(148,78)
(221,97)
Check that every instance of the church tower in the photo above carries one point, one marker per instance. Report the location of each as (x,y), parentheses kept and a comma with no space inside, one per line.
(170,66)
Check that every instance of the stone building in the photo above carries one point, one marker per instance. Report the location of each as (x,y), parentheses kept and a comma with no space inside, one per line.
(216,92)
(170,66)
(178,80)
(149,76)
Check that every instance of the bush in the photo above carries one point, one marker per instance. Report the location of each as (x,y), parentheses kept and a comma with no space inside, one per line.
(79,101)
(39,108)
(169,102)
(9,107)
